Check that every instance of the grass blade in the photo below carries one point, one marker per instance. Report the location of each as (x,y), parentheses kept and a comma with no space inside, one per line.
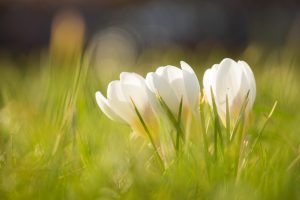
(176,122)
(148,133)
(240,117)
(178,125)
(217,127)
(263,127)
(204,132)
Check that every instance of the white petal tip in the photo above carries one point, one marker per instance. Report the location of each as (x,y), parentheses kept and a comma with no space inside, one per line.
(186,67)
(227,60)
(105,107)
(98,95)
(100,99)
(183,62)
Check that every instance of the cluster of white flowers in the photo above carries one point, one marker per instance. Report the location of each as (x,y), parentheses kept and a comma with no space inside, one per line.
(179,90)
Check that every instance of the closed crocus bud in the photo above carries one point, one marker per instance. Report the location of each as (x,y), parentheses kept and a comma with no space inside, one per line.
(122,97)
(231,79)
(173,84)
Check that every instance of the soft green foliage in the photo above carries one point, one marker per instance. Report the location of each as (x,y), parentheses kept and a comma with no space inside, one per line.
(55,143)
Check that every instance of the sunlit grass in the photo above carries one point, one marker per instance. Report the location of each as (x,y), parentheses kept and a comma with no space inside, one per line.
(56,144)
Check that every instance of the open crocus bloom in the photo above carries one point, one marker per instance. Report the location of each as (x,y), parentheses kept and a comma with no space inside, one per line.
(173,84)
(231,79)
(118,105)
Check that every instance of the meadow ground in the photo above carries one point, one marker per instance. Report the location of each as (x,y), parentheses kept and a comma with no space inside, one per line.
(55,143)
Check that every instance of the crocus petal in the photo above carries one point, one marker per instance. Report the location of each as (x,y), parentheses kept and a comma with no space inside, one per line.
(134,88)
(233,80)
(104,106)
(123,95)
(119,101)
(251,80)
(191,85)
(159,86)
(227,83)
(124,109)
(136,94)
(131,78)
(209,82)
(114,91)
(152,100)
(175,79)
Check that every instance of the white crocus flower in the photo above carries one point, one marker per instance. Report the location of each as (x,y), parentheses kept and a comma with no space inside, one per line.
(231,79)
(118,105)
(173,84)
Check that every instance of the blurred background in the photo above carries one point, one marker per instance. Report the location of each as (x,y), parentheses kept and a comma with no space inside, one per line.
(55,54)
(127,28)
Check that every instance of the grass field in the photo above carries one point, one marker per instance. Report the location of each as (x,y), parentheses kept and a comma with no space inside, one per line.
(55,143)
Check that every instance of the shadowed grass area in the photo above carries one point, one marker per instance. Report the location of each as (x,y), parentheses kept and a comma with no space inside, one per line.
(55,143)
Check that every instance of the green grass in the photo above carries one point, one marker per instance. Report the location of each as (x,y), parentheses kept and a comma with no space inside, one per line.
(55,143)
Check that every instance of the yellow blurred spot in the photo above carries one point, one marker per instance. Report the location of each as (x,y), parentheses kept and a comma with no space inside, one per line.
(67,36)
